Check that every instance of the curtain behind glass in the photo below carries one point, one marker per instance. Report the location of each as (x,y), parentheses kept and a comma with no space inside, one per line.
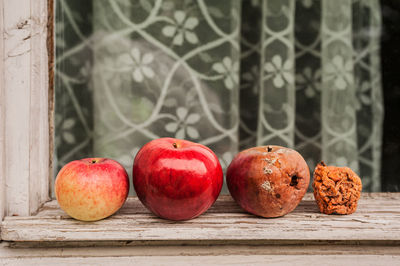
(309,78)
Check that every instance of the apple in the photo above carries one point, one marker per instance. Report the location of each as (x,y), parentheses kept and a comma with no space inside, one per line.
(92,189)
(177,179)
(268,181)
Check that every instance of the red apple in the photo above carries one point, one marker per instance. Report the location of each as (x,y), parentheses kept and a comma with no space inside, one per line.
(268,181)
(92,189)
(177,179)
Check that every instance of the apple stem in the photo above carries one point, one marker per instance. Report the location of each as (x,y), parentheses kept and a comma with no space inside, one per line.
(269,149)
(93,161)
(175,146)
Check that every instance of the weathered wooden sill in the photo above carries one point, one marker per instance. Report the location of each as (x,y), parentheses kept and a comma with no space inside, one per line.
(377,221)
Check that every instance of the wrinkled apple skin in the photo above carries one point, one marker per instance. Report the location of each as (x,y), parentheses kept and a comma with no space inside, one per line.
(91,189)
(268,181)
(177,179)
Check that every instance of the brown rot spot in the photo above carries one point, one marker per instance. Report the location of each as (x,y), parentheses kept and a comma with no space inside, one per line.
(269,149)
(294,181)
(175,145)
(278,196)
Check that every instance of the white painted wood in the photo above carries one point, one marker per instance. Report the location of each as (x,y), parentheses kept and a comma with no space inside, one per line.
(195,250)
(17,99)
(305,260)
(2,116)
(156,253)
(26,105)
(39,121)
(376,220)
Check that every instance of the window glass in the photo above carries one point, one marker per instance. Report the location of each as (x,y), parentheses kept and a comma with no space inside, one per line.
(228,74)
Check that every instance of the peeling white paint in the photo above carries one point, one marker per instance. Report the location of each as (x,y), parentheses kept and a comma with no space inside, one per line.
(377,218)
(2,120)
(26,128)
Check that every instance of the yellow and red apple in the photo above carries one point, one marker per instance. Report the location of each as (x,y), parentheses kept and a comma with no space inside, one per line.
(91,189)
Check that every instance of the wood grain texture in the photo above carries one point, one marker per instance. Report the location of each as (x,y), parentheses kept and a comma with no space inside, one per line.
(26,105)
(17,48)
(200,250)
(39,123)
(2,116)
(377,219)
(51,55)
(305,260)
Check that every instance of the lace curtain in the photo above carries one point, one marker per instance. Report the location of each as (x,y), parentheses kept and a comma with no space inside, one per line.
(227,74)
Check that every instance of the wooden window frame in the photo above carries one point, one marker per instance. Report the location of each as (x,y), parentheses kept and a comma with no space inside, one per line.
(24,107)
(26,99)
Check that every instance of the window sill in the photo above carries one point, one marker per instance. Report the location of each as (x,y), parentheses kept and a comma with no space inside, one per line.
(377,221)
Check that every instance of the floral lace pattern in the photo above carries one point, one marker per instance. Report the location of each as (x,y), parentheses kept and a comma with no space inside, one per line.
(128,72)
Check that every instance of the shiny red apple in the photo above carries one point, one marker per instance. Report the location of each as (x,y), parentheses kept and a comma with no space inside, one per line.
(177,179)
(92,189)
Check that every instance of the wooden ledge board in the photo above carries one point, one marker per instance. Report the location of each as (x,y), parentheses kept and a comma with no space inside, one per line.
(377,220)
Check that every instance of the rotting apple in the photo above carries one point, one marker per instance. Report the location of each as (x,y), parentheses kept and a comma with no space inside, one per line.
(177,179)
(92,189)
(336,189)
(268,181)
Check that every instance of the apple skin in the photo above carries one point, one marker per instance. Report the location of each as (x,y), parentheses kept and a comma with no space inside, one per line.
(92,189)
(268,181)
(177,179)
